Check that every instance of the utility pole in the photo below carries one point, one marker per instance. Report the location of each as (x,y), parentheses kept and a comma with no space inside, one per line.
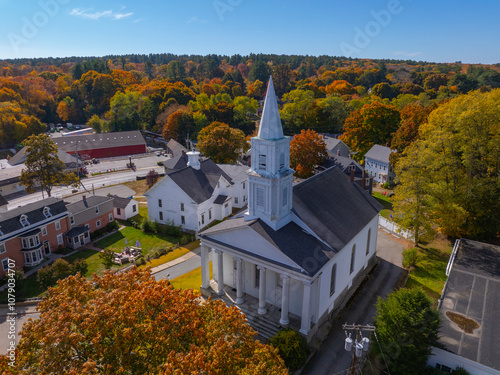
(360,344)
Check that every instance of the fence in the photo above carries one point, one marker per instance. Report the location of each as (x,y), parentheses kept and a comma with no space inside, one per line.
(391,226)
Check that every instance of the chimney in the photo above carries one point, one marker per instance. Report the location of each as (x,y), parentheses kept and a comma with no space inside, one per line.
(84,197)
(352,174)
(183,152)
(338,152)
(193,160)
(363,179)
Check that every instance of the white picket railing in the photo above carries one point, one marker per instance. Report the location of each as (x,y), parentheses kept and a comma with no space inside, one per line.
(391,226)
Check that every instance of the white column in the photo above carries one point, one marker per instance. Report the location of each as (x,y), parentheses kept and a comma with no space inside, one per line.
(205,268)
(284,300)
(262,290)
(239,283)
(305,325)
(220,273)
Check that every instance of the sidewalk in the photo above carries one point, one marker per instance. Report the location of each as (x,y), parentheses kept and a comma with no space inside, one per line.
(176,261)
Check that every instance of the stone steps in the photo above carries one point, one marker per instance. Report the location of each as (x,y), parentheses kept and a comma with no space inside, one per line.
(265,327)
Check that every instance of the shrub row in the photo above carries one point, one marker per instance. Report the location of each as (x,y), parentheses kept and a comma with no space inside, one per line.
(48,275)
(114,225)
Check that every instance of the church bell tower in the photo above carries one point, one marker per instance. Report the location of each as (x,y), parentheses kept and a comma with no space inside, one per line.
(270,179)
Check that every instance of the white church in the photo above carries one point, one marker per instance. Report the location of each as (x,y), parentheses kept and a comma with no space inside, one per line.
(299,249)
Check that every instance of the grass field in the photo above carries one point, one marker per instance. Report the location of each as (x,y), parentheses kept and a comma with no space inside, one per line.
(386,202)
(190,280)
(150,242)
(429,273)
(139,187)
(93,261)
(174,254)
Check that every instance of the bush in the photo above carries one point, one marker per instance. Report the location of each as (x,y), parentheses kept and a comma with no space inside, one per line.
(149,226)
(48,275)
(410,257)
(114,225)
(292,348)
(139,262)
(386,185)
(460,371)
(107,256)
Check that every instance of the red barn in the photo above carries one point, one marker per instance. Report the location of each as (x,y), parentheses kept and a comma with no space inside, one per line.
(104,145)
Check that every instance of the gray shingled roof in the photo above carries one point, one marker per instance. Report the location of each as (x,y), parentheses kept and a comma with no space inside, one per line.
(91,201)
(473,290)
(20,158)
(10,220)
(380,153)
(342,162)
(175,147)
(330,142)
(235,171)
(76,231)
(291,240)
(220,199)
(102,140)
(199,184)
(333,207)
(120,202)
(177,162)
(3,201)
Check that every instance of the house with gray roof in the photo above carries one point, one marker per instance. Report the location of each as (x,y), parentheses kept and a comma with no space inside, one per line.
(175,148)
(193,196)
(125,208)
(299,249)
(377,164)
(335,146)
(469,307)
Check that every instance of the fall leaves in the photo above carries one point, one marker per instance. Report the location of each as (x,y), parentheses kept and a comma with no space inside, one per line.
(130,323)
(307,149)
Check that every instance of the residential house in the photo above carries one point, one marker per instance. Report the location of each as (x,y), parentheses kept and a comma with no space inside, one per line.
(238,175)
(469,336)
(85,217)
(125,208)
(335,146)
(31,232)
(193,196)
(177,162)
(377,164)
(175,148)
(351,168)
(299,249)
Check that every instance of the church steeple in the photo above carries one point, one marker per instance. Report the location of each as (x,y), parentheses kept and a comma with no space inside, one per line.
(270,177)
(270,124)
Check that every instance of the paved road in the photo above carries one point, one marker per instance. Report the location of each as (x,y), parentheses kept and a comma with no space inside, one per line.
(25,312)
(331,358)
(180,269)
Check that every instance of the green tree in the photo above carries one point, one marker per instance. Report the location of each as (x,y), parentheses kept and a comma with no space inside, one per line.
(259,71)
(107,256)
(96,123)
(282,75)
(407,327)
(221,143)
(296,108)
(43,168)
(124,111)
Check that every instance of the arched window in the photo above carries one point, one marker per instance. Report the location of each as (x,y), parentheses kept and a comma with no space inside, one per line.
(353,257)
(24,221)
(368,241)
(332,279)
(46,212)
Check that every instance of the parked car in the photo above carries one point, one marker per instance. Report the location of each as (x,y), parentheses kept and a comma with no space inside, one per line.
(158,153)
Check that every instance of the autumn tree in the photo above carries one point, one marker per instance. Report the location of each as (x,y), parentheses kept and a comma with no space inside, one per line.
(372,124)
(43,168)
(407,328)
(130,323)
(178,126)
(151,178)
(458,154)
(222,143)
(307,149)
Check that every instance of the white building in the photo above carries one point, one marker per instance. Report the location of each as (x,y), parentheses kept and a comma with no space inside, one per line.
(238,174)
(377,164)
(193,196)
(302,249)
(125,208)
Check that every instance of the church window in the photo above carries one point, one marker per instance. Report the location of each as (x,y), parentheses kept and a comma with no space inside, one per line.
(183,220)
(182,206)
(202,218)
(160,204)
(333,276)
(282,160)
(368,241)
(285,196)
(260,197)
(262,161)
(353,257)
(161,216)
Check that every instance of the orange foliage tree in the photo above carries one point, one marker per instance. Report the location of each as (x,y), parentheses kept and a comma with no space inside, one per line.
(307,149)
(222,143)
(129,323)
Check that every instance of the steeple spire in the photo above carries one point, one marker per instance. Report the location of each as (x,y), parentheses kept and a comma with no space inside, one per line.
(270,123)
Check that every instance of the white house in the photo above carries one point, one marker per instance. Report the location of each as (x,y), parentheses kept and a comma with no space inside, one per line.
(302,249)
(472,295)
(238,174)
(125,208)
(193,196)
(377,164)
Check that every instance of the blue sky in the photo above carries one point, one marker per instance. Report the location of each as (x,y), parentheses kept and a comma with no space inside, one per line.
(438,31)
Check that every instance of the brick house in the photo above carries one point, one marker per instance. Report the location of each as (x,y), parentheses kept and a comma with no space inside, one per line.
(86,216)
(29,233)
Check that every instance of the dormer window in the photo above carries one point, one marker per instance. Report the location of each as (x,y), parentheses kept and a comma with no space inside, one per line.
(46,212)
(96,209)
(262,161)
(24,221)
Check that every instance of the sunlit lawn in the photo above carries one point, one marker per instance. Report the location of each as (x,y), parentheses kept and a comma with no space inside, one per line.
(94,263)
(174,254)
(190,280)
(150,242)
(429,273)
(139,187)
(386,202)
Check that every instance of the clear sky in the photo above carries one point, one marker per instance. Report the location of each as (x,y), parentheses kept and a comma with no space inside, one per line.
(429,30)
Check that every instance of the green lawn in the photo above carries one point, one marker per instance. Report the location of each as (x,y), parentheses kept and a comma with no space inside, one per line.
(429,273)
(174,254)
(150,242)
(93,261)
(386,202)
(190,280)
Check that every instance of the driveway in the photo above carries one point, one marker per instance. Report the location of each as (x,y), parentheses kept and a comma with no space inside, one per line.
(23,314)
(331,358)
